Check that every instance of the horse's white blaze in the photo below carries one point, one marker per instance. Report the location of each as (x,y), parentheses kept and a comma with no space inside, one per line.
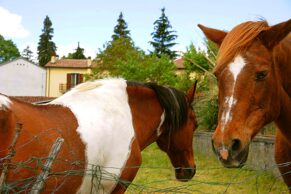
(159,131)
(4,102)
(105,127)
(235,68)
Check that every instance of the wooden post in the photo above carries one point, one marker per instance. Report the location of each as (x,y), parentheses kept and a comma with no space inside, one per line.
(38,185)
(11,153)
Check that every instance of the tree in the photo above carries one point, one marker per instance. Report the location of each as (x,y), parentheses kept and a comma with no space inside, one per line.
(46,47)
(122,58)
(8,50)
(78,54)
(199,63)
(120,30)
(115,52)
(201,60)
(163,37)
(27,53)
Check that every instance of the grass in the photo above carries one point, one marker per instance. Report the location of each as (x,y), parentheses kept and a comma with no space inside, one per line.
(157,176)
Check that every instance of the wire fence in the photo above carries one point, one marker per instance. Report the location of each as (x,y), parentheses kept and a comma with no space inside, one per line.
(156,175)
(245,177)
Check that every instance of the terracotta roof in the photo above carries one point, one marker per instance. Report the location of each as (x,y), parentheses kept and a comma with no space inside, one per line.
(72,63)
(179,63)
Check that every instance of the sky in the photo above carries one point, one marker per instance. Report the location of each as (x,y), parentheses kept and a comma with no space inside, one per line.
(91,22)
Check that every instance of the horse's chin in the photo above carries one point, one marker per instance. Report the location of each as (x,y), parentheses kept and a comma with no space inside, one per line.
(184,174)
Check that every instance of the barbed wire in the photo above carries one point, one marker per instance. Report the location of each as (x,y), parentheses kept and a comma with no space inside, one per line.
(99,173)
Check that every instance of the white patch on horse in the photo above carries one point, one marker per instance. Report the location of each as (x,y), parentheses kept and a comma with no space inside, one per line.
(235,68)
(159,131)
(5,102)
(105,127)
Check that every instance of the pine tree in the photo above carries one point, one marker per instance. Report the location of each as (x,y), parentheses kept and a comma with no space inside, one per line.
(27,53)
(120,30)
(163,37)
(46,48)
(79,53)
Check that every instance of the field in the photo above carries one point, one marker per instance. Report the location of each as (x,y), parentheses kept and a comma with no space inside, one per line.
(157,176)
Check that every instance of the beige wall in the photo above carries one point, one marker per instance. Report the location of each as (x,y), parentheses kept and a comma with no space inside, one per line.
(57,76)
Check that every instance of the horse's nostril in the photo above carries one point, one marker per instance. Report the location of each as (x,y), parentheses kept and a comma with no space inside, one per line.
(236,144)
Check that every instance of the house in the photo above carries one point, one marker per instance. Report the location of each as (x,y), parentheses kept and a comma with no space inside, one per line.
(21,77)
(63,74)
(180,67)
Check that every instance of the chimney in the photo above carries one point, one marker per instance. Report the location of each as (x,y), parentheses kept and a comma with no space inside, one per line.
(53,59)
(89,62)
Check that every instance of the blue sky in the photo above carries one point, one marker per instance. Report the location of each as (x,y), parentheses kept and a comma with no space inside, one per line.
(91,22)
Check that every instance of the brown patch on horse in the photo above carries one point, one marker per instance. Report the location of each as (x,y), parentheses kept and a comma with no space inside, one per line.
(238,40)
(37,136)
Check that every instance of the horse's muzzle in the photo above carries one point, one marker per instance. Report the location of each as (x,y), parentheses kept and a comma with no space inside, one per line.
(185,174)
(232,156)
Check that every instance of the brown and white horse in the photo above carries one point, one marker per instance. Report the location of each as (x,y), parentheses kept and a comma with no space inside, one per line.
(253,71)
(105,125)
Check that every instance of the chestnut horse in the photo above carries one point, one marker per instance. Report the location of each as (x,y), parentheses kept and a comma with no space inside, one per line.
(253,70)
(105,125)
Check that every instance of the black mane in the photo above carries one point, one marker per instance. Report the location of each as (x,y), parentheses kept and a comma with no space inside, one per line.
(172,101)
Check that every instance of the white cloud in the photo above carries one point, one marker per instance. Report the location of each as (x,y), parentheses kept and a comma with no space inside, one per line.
(10,25)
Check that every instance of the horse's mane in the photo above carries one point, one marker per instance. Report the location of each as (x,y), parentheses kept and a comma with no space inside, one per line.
(238,40)
(172,101)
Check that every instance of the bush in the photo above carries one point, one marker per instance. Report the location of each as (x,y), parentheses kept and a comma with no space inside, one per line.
(206,107)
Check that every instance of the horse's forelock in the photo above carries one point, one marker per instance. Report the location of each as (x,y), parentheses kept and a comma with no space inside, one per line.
(237,40)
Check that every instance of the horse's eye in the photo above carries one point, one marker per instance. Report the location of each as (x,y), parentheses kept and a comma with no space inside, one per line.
(261,75)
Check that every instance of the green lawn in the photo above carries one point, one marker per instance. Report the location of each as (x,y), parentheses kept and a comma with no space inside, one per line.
(157,176)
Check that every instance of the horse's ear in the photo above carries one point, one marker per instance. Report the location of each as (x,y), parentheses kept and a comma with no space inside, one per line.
(275,34)
(212,34)
(191,92)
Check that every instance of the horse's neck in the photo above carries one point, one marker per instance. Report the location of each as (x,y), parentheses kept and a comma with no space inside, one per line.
(283,121)
(282,59)
(146,114)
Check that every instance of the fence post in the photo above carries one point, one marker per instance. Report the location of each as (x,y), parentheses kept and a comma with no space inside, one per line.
(38,185)
(11,153)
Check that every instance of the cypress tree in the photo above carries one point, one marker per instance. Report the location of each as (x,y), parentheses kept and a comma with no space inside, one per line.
(120,30)
(46,47)
(79,53)
(163,37)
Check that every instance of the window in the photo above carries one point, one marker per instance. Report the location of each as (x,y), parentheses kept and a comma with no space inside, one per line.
(73,79)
